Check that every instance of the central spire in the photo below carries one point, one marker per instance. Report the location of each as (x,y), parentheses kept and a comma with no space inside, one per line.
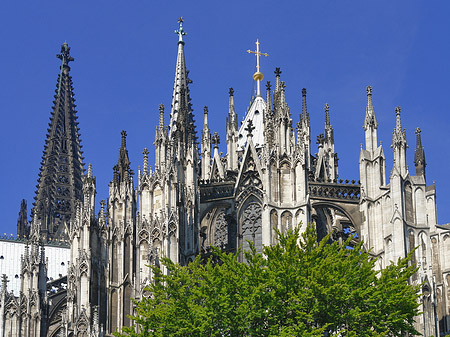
(257,76)
(180,97)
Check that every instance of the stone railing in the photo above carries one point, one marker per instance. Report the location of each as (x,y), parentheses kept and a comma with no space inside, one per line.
(210,191)
(335,190)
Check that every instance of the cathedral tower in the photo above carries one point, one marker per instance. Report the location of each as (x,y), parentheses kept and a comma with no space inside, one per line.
(60,178)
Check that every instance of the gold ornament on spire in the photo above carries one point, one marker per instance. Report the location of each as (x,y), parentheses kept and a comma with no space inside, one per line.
(257,76)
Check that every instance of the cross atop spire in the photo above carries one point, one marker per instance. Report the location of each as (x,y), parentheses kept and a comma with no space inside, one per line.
(257,76)
(180,31)
(65,55)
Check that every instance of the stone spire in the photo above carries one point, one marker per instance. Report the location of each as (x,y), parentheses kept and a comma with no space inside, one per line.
(370,123)
(399,144)
(122,171)
(60,178)
(419,155)
(329,133)
(232,129)
(22,221)
(145,167)
(305,114)
(206,146)
(180,96)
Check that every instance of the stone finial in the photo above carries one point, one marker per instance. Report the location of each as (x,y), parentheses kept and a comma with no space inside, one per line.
(268,86)
(277,72)
(369,97)
(216,140)
(327,114)
(64,56)
(145,153)
(304,108)
(320,139)
(124,139)
(89,170)
(249,128)
(418,137)
(161,116)
(180,31)
(231,92)
(398,123)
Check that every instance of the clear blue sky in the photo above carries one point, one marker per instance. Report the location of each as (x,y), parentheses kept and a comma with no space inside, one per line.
(125,53)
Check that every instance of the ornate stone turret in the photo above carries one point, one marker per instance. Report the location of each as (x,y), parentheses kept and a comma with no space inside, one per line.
(86,287)
(33,290)
(121,250)
(59,185)
(326,167)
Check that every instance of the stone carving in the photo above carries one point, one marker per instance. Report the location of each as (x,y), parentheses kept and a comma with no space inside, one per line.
(220,230)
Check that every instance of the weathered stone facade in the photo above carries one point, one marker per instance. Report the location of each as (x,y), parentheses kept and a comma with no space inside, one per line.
(194,197)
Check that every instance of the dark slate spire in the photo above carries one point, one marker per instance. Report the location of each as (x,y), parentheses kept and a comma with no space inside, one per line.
(419,155)
(60,185)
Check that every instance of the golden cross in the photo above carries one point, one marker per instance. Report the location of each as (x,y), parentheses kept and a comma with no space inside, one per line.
(258,53)
(258,76)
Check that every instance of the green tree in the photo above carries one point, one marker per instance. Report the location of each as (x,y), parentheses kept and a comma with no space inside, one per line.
(297,287)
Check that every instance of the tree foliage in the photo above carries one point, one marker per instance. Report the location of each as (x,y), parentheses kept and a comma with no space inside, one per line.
(297,287)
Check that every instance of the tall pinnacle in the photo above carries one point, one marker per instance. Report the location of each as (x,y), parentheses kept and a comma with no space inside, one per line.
(419,155)
(327,115)
(399,144)
(122,170)
(305,116)
(180,96)
(370,120)
(60,178)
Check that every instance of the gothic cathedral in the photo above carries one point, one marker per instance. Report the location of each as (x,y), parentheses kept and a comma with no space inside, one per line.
(195,197)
